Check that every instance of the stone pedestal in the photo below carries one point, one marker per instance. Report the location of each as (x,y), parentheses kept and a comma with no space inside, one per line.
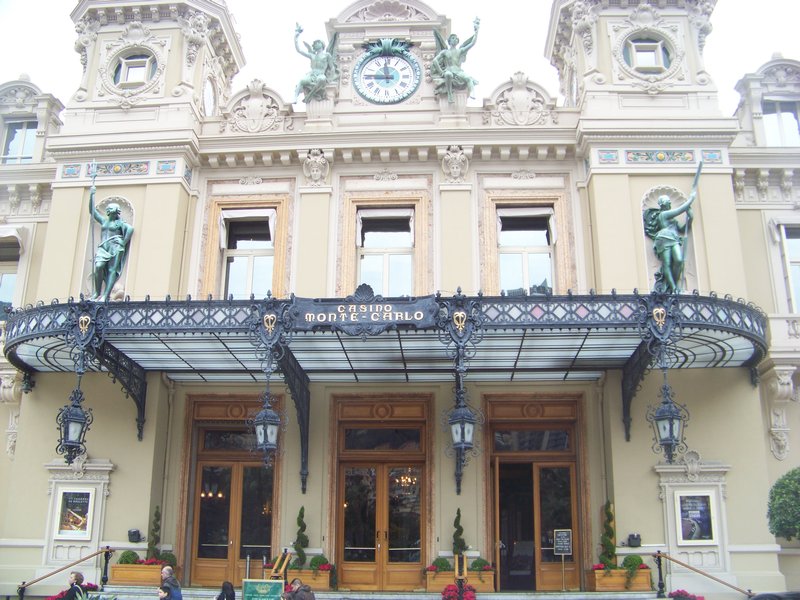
(453,114)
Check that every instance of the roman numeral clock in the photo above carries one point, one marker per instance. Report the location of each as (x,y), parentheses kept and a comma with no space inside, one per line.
(387,73)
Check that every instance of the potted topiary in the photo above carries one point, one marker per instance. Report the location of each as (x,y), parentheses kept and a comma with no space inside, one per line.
(320,570)
(606,575)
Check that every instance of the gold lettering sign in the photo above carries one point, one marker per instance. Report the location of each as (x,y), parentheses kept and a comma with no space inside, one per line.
(460,320)
(269,322)
(660,316)
(83,323)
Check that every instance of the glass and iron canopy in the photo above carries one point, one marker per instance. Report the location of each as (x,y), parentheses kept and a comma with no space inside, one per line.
(366,338)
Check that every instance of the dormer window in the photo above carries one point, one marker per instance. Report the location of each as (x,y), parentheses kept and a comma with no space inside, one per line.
(781,122)
(20,139)
(647,55)
(134,70)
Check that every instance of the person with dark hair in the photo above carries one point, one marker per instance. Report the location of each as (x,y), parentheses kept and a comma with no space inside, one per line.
(168,579)
(226,593)
(298,591)
(75,591)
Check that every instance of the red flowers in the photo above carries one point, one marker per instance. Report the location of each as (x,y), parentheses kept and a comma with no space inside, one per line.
(432,568)
(682,595)
(598,567)
(325,567)
(150,561)
(450,592)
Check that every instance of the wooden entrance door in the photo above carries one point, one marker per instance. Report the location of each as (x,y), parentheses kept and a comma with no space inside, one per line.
(380,520)
(532,499)
(233,521)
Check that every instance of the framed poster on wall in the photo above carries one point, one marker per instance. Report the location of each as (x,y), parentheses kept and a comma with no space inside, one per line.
(695,517)
(74,518)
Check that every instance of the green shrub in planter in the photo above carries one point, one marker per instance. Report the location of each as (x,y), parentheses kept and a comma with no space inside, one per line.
(169,558)
(129,557)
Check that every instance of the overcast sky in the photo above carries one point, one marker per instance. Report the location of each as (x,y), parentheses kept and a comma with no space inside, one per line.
(37,38)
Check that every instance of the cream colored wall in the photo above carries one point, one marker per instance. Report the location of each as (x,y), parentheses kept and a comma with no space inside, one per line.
(708,395)
(312,245)
(457,242)
(65,242)
(755,247)
(162,220)
(616,255)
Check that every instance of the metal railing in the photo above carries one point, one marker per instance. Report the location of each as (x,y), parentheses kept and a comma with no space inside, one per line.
(107,552)
(661,591)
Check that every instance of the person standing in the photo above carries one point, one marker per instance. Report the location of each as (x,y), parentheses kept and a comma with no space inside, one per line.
(168,579)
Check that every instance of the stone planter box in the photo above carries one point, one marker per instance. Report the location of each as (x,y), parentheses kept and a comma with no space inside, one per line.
(614,581)
(149,575)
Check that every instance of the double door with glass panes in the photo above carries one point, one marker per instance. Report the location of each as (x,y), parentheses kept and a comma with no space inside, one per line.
(380,526)
(232,521)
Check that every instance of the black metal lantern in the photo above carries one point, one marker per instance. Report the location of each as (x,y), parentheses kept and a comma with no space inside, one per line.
(73,423)
(266,425)
(668,420)
(462,426)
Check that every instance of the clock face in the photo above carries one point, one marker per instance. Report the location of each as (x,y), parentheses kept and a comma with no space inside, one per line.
(387,79)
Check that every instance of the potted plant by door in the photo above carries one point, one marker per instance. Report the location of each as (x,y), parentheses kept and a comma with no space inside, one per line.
(607,576)
(481,575)
(132,570)
(439,574)
(319,571)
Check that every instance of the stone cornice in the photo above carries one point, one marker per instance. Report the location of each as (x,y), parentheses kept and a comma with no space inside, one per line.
(27,174)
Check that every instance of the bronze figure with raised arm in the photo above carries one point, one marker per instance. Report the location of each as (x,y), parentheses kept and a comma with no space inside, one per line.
(446,70)
(669,237)
(112,252)
(323,67)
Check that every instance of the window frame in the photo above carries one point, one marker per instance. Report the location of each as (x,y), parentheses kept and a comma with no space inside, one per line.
(777,136)
(232,215)
(526,251)
(214,263)
(417,201)
(638,47)
(126,62)
(21,158)
(367,214)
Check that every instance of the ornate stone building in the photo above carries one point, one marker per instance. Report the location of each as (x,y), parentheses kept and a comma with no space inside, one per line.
(385,271)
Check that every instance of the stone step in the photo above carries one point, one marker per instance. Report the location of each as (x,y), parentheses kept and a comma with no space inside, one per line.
(196,593)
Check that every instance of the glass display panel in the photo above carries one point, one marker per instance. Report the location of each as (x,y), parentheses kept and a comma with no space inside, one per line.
(531,440)
(359,514)
(215,509)
(225,439)
(382,439)
(404,514)
(555,505)
(256,525)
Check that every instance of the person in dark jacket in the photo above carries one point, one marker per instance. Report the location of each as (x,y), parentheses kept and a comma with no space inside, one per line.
(226,593)
(75,591)
(298,591)
(168,579)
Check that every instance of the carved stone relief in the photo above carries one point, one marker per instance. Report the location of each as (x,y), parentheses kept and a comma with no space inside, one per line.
(645,21)
(455,164)
(521,103)
(779,390)
(388,10)
(135,37)
(316,167)
(258,111)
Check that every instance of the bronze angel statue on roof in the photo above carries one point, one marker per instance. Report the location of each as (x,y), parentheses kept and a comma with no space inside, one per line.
(324,69)
(446,69)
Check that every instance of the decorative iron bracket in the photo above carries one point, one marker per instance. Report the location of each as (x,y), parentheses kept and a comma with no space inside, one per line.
(299,386)
(459,322)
